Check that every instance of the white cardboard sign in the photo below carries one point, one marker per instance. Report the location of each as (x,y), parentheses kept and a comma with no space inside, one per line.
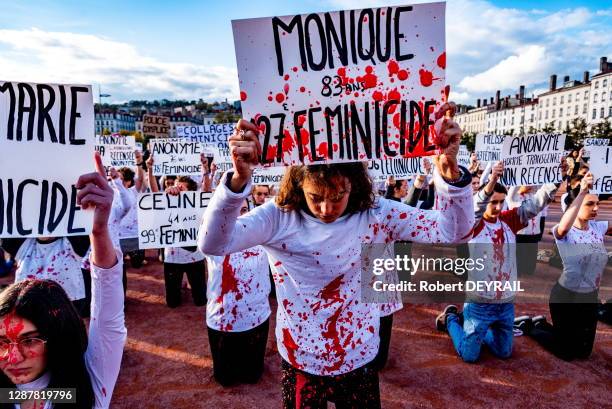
(46,143)
(343,86)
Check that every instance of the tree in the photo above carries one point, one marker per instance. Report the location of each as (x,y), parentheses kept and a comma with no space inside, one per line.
(226,117)
(532,130)
(469,140)
(602,130)
(549,127)
(105,131)
(576,134)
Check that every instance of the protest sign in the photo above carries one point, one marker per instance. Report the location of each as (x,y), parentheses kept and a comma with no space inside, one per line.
(214,135)
(600,164)
(46,143)
(176,156)
(532,159)
(590,142)
(155,126)
(463,158)
(170,221)
(402,168)
(268,176)
(343,86)
(488,147)
(117,150)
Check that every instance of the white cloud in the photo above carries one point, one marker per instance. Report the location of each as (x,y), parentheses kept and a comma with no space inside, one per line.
(527,67)
(41,56)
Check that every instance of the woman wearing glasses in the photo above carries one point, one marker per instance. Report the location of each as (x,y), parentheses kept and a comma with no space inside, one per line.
(43,342)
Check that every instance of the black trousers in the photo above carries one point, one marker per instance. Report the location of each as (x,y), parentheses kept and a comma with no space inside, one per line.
(238,357)
(384,332)
(526,253)
(136,258)
(173,278)
(356,389)
(604,313)
(574,323)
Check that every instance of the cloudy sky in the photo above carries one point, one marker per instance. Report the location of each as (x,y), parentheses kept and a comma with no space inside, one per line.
(184,49)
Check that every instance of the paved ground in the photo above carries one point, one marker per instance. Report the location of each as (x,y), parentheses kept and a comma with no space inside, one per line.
(167,360)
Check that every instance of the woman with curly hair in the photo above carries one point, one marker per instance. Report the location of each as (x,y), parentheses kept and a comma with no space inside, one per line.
(313,233)
(43,342)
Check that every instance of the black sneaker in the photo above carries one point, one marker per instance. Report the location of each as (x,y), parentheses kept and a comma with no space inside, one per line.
(522,325)
(442,318)
(537,321)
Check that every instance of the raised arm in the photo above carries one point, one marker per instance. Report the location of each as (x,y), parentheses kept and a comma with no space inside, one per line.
(531,207)
(482,198)
(107,332)
(140,186)
(152,180)
(453,217)
(206,185)
(222,231)
(126,200)
(569,217)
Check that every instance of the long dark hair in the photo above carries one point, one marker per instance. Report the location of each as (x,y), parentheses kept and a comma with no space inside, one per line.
(46,305)
(291,195)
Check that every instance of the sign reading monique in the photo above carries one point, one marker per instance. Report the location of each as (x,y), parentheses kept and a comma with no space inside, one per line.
(343,86)
(46,143)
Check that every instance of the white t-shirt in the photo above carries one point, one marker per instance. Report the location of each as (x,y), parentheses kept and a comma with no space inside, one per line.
(584,256)
(323,327)
(55,261)
(237,291)
(129,224)
(178,255)
(123,201)
(495,244)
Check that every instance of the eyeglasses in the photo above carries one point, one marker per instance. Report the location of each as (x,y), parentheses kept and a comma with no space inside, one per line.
(26,346)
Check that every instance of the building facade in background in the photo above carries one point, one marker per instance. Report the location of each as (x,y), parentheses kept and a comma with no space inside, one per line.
(557,108)
(114,122)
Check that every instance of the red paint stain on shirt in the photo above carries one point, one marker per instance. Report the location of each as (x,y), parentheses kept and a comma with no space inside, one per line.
(229,282)
(291,348)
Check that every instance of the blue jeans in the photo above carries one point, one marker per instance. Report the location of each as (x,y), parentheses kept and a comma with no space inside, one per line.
(490,324)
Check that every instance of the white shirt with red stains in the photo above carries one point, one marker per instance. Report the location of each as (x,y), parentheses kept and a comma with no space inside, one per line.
(55,261)
(495,244)
(179,255)
(237,291)
(584,256)
(322,326)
